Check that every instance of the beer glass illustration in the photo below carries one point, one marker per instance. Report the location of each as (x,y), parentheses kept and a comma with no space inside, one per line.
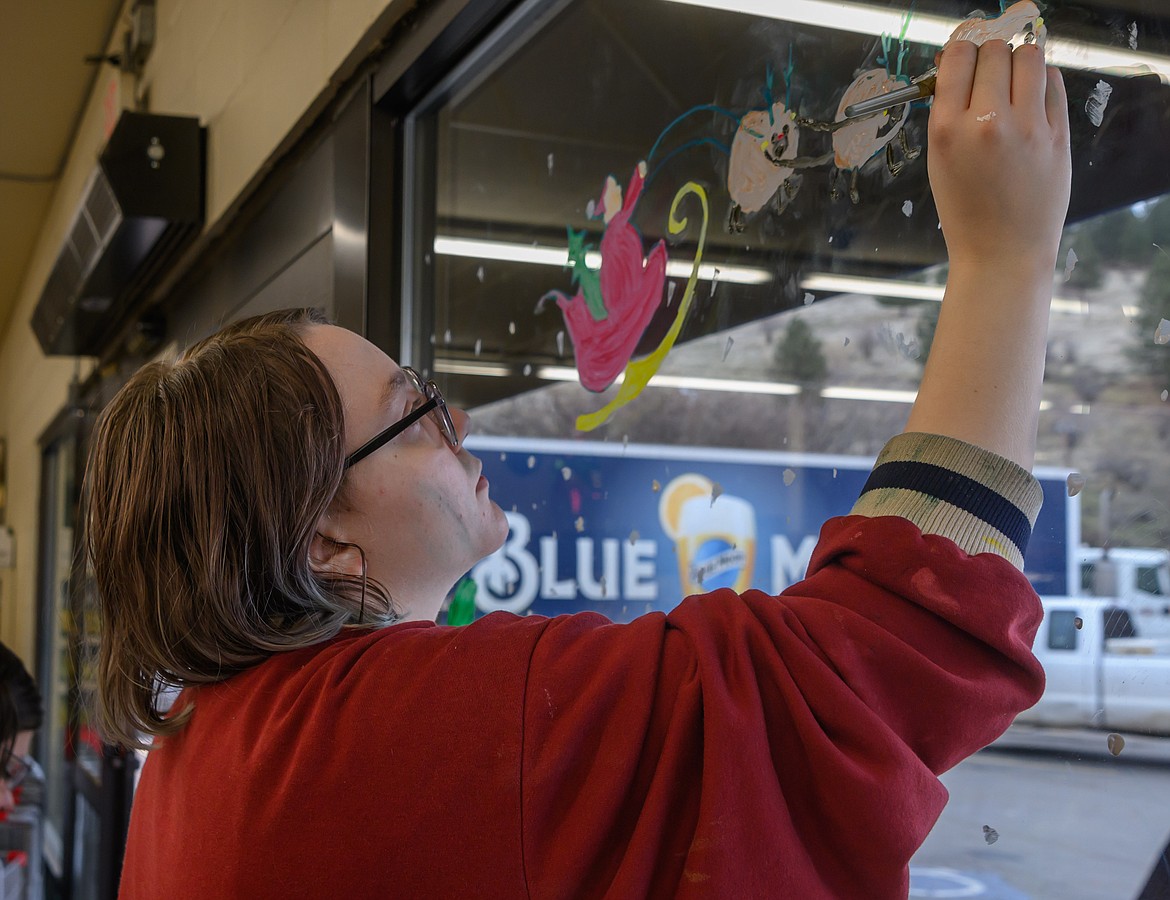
(715,541)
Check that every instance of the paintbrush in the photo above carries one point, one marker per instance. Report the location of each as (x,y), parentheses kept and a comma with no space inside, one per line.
(922,86)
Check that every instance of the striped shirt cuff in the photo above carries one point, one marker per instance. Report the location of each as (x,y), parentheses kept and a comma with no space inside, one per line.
(981,501)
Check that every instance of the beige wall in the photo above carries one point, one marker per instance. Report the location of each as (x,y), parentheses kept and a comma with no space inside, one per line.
(254,72)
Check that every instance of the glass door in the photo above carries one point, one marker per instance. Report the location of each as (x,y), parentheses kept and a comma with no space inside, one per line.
(87,783)
(56,639)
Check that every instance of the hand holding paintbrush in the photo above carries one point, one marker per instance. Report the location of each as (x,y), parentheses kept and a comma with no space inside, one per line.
(1020,24)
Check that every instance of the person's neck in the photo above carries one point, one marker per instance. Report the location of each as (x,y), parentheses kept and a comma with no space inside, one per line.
(419,604)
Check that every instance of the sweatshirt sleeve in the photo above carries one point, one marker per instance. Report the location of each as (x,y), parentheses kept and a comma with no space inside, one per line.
(758,746)
(981,501)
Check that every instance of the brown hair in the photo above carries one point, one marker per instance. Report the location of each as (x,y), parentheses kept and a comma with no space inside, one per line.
(206,480)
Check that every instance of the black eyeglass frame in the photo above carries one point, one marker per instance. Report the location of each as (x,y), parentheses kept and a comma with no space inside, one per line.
(434,404)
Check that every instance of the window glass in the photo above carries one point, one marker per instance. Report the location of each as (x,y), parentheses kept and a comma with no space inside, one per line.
(1118,623)
(619,189)
(57,674)
(1147,580)
(1062,630)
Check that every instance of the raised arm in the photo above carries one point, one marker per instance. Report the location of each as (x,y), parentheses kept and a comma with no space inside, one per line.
(1000,170)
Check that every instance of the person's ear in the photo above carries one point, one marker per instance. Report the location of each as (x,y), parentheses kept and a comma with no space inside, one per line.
(330,556)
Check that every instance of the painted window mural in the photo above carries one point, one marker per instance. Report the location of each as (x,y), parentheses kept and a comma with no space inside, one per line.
(681,261)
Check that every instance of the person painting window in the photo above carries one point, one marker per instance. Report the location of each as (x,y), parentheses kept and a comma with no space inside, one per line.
(275,519)
(21,715)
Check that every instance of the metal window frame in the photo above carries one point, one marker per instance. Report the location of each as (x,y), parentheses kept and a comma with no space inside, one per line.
(457,45)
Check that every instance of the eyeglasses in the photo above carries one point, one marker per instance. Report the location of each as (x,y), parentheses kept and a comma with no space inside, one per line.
(433,403)
(17,771)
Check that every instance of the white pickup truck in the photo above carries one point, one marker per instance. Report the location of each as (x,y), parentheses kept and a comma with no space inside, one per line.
(1137,577)
(1100,674)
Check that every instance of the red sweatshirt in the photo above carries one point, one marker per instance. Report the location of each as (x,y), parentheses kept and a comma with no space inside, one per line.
(741,746)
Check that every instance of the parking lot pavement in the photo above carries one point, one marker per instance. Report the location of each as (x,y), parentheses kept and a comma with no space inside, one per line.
(1063,821)
(926,882)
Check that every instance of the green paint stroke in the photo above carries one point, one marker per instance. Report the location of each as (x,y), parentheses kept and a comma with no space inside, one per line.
(904,48)
(892,66)
(462,608)
(638,373)
(588,279)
